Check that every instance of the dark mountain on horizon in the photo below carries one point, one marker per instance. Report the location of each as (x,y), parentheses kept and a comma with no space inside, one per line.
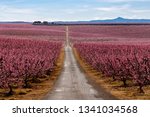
(121,20)
(118,20)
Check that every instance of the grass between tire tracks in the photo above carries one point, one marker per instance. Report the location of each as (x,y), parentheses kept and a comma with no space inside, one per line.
(38,90)
(115,88)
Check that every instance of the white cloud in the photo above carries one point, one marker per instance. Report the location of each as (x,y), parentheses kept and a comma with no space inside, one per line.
(140,11)
(10,13)
(113,8)
(76,11)
(14,10)
(126,11)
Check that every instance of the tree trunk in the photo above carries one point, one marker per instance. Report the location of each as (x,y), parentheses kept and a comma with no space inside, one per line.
(26,83)
(124,83)
(141,89)
(114,79)
(10,92)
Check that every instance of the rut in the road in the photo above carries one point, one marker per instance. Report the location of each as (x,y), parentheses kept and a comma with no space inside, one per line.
(72,83)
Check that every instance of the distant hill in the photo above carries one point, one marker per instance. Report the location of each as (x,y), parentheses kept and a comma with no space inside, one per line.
(118,20)
(122,20)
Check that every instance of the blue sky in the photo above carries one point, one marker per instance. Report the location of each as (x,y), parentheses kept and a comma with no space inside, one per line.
(72,10)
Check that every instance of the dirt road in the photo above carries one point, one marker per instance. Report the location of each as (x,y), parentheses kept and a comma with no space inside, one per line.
(72,83)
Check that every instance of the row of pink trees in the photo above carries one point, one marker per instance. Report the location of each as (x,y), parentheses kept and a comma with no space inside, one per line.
(120,61)
(25,60)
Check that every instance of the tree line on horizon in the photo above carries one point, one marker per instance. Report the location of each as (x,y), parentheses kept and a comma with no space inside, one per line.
(42,23)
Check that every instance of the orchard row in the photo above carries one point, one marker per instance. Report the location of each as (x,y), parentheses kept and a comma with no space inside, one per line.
(122,62)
